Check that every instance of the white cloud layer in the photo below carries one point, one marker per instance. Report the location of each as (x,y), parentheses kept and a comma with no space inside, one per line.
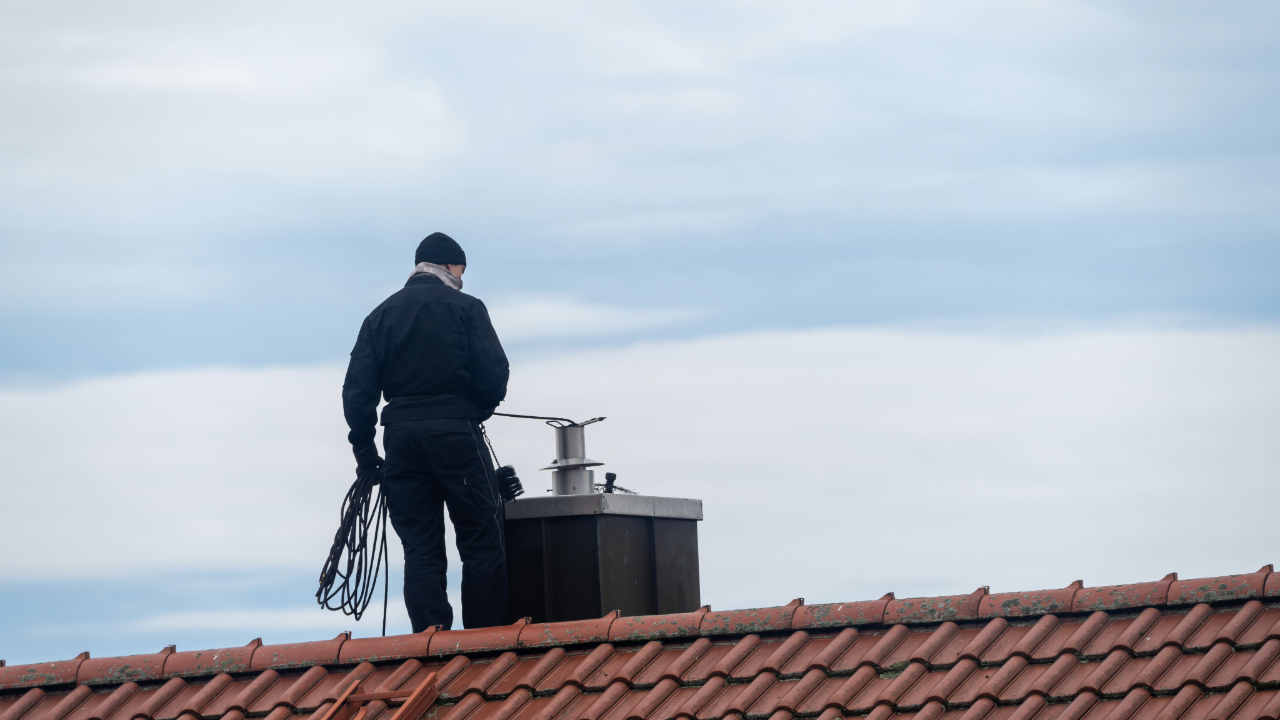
(835,464)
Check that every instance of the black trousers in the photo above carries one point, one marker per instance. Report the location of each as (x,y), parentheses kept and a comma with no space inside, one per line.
(432,464)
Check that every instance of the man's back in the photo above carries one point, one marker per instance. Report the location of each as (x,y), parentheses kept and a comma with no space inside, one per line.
(432,352)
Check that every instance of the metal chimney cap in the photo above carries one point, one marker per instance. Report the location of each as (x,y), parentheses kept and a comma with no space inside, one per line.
(570,463)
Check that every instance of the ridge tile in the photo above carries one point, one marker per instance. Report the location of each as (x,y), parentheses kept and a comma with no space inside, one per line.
(1224,587)
(298,655)
(865,612)
(37,674)
(490,639)
(115,670)
(755,620)
(657,627)
(573,632)
(935,609)
(1036,602)
(211,662)
(1116,597)
(393,647)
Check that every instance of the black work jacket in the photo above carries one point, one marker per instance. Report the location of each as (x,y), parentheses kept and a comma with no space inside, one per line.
(432,352)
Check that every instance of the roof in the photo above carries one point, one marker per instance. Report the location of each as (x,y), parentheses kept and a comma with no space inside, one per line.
(1202,649)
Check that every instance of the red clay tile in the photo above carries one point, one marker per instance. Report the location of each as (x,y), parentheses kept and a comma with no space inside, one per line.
(114,670)
(656,627)
(1266,626)
(584,670)
(490,639)
(867,612)
(784,652)
(756,691)
(1116,597)
(687,658)
(934,642)
(113,701)
(601,678)
(1172,679)
(254,690)
(1174,630)
(841,691)
(910,668)
(205,695)
(952,649)
(739,622)
(977,647)
(210,662)
(1181,702)
(1230,671)
(802,661)
(489,673)
(694,704)
(298,655)
(1216,589)
(1022,685)
(1027,639)
(23,705)
(796,692)
(1209,662)
(291,698)
(902,683)
(833,650)
(1136,628)
(68,703)
(150,707)
(37,674)
(1244,617)
(1207,634)
(575,632)
(1037,602)
(380,649)
(866,699)
(1271,711)
(946,686)
(901,655)
(756,660)
(935,609)
(1260,661)
(884,646)
(548,662)
(1150,673)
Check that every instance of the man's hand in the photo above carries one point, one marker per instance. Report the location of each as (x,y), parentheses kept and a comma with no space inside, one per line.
(367,459)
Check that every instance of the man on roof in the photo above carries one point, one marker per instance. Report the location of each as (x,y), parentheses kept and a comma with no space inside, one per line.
(432,352)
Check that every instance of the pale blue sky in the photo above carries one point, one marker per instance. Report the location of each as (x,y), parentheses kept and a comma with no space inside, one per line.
(199,202)
(228,184)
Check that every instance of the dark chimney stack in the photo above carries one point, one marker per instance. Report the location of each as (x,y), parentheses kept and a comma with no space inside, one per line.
(579,554)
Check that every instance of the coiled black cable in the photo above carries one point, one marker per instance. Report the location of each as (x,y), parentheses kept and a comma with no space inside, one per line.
(354,588)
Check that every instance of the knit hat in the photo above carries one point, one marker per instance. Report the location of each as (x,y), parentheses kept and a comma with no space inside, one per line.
(439,249)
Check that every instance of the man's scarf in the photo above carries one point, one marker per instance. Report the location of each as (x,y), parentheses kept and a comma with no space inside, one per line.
(446,277)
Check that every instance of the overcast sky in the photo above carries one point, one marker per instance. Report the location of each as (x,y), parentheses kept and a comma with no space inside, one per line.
(1020,260)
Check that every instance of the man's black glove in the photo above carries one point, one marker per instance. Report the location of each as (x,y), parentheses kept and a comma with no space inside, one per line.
(367,459)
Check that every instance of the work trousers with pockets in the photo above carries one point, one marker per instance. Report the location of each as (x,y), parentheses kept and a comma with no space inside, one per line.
(431,464)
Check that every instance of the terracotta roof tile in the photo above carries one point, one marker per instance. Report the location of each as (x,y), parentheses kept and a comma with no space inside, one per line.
(1163,650)
(935,609)
(740,622)
(868,612)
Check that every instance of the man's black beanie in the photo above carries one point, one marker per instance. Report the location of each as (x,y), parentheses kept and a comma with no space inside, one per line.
(439,249)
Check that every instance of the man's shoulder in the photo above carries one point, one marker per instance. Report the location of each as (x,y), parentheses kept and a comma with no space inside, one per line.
(418,293)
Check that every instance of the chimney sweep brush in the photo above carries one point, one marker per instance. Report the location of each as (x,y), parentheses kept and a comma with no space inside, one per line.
(363,559)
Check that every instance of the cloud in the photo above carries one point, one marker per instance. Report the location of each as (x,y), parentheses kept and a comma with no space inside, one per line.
(257,169)
(534,318)
(836,464)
